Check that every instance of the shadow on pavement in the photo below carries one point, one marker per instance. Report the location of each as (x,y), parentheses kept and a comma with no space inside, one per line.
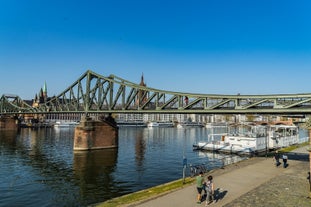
(219,194)
(298,156)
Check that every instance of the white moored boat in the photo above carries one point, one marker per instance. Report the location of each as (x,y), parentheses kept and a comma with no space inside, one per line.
(283,136)
(153,124)
(60,124)
(160,124)
(252,139)
(189,124)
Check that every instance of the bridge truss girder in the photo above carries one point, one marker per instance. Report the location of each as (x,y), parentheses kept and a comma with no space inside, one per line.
(12,104)
(94,93)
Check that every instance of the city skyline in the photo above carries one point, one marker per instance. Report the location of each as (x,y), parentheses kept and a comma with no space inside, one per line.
(210,47)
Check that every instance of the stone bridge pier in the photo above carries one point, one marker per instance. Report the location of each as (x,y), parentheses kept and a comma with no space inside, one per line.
(96,134)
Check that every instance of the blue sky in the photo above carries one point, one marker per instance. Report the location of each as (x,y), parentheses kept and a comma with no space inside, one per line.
(200,46)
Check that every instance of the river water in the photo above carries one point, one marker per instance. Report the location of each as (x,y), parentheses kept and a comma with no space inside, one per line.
(40,168)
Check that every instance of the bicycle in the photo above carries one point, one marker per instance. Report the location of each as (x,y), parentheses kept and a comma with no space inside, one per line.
(196,169)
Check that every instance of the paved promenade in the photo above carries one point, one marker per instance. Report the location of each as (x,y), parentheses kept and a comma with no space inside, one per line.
(255,182)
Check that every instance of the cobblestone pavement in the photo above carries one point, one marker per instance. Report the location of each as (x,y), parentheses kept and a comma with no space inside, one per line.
(290,189)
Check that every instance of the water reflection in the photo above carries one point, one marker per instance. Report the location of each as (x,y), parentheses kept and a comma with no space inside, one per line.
(215,159)
(8,138)
(140,146)
(94,170)
(40,168)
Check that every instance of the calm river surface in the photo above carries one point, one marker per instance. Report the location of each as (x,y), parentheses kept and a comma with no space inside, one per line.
(40,168)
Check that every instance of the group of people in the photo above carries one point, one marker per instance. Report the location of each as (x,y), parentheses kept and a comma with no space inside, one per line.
(207,186)
(277,158)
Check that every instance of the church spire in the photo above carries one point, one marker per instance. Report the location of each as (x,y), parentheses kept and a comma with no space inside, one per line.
(45,89)
(142,80)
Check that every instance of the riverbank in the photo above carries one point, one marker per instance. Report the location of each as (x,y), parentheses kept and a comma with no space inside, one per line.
(254,182)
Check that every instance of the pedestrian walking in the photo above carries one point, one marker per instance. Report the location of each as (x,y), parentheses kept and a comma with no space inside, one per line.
(199,186)
(284,158)
(210,190)
(276,158)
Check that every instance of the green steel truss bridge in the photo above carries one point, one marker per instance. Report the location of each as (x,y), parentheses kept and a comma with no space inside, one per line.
(94,93)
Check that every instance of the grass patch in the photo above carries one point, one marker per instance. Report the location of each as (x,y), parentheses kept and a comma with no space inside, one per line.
(146,194)
(292,147)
